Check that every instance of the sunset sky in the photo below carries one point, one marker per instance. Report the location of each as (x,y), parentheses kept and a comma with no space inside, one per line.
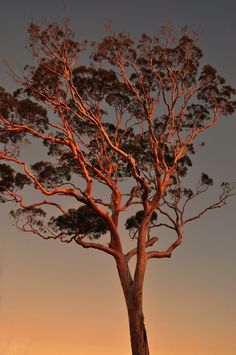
(58,299)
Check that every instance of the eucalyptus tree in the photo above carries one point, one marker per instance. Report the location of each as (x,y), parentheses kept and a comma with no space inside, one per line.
(117,138)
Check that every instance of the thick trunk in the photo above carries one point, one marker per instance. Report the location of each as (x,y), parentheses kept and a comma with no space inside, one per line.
(138,336)
(133,297)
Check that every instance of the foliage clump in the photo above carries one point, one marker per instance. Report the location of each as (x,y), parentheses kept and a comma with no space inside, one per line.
(83,221)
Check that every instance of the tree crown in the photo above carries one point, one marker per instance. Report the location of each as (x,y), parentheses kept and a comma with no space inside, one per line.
(128,120)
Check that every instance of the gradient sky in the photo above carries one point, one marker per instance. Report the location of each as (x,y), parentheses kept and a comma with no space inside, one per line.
(58,299)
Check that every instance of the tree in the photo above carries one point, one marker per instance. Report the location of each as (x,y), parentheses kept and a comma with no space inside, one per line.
(127,124)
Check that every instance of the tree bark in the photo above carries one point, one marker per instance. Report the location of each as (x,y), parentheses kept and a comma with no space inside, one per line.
(133,298)
(138,335)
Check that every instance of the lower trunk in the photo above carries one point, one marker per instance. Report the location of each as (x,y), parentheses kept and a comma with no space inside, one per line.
(133,292)
(138,336)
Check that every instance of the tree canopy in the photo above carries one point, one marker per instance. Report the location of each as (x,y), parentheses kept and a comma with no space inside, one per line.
(131,114)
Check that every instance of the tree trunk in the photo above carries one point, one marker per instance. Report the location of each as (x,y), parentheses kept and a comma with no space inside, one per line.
(133,297)
(138,336)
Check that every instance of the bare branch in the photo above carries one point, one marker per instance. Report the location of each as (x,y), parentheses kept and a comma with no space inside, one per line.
(98,246)
(220,203)
(134,251)
(168,252)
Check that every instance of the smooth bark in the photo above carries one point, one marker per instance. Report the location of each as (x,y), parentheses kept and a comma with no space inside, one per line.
(133,293)
(138,335)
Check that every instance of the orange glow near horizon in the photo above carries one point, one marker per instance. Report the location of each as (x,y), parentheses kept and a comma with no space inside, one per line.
(28,342)
(48,310)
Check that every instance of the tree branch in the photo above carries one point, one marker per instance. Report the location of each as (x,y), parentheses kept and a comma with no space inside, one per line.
(134,251)
(98,246)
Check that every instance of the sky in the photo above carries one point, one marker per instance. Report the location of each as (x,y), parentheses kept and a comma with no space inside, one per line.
(58,299)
